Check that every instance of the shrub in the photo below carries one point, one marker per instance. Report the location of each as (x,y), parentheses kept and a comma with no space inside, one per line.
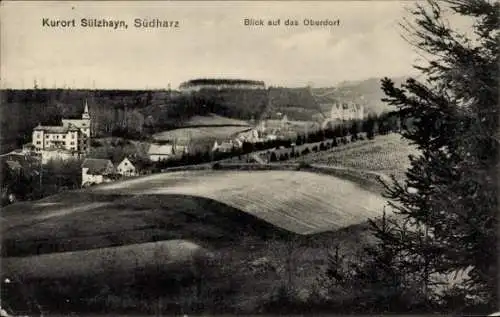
(285,157)
(303,164)
(306,151)
(216,166)
(315,148)
(284,301)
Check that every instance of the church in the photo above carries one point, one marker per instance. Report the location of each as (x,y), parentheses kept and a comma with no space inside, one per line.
(72,136)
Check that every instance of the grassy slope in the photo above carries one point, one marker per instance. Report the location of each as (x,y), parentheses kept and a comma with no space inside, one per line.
(101,219)
(202,206)
(301,202)
(387,154)
(80,221)
(213,120)
(234,248)
(200,133)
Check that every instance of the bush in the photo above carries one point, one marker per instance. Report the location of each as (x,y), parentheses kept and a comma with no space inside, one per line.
(303,164)
(285,157)
(306,151)
(284,301)
(322,147)
(216,166)
(315,148)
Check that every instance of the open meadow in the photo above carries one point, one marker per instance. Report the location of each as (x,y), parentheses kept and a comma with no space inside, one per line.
(300,202)
(195,134)
(200,128)
(244,233)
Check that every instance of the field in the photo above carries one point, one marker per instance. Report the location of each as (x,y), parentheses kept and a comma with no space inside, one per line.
(79,263)
(300,202)
(103,235)
(199,206)
(81,221)
(386,154)
(200,133)
(213,120)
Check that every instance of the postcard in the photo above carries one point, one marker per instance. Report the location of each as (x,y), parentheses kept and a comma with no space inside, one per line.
(249,157)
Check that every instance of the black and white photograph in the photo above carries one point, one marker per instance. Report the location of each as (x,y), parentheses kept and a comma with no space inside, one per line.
(188,158)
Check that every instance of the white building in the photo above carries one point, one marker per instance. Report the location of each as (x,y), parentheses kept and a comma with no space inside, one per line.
(346,111)
(160,152)
(251,136)
(96,171)
(226,146)
(127,168)
(57,137)
(73,135)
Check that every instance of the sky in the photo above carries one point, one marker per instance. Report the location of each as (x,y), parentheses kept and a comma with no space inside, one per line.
(210,42)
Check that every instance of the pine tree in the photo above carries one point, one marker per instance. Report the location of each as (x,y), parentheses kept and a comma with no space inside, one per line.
(450,195)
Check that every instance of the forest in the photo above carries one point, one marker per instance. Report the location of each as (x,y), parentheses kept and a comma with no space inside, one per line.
(129,114)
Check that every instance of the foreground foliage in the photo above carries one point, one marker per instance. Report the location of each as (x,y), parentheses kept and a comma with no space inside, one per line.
(448,203)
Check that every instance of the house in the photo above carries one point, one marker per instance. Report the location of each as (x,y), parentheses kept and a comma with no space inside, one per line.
(29,148)
(226,146)
(96,171)
(251,136)
(270,137)
(72,135)
(131,166)
(160,152)
(126,168)
(29,164)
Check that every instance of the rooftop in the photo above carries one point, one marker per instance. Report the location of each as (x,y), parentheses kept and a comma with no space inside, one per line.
(162,149)
(56,129)
(96,166)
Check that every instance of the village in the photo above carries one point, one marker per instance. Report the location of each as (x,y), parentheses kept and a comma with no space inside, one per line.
(71,142)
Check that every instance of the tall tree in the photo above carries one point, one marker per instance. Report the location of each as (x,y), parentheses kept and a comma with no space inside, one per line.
(450,195)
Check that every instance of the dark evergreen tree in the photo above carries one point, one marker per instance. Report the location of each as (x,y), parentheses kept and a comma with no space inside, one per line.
(354,129)
(299,140)
(376,281)
(273,157)
(450,196)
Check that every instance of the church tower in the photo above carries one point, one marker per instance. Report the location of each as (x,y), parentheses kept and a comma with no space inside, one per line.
(85,114)
(85,123)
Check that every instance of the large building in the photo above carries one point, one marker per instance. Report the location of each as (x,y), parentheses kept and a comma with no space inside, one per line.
(73,135)
(346,111)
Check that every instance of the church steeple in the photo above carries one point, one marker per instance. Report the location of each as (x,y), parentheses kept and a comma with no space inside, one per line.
(86,114)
